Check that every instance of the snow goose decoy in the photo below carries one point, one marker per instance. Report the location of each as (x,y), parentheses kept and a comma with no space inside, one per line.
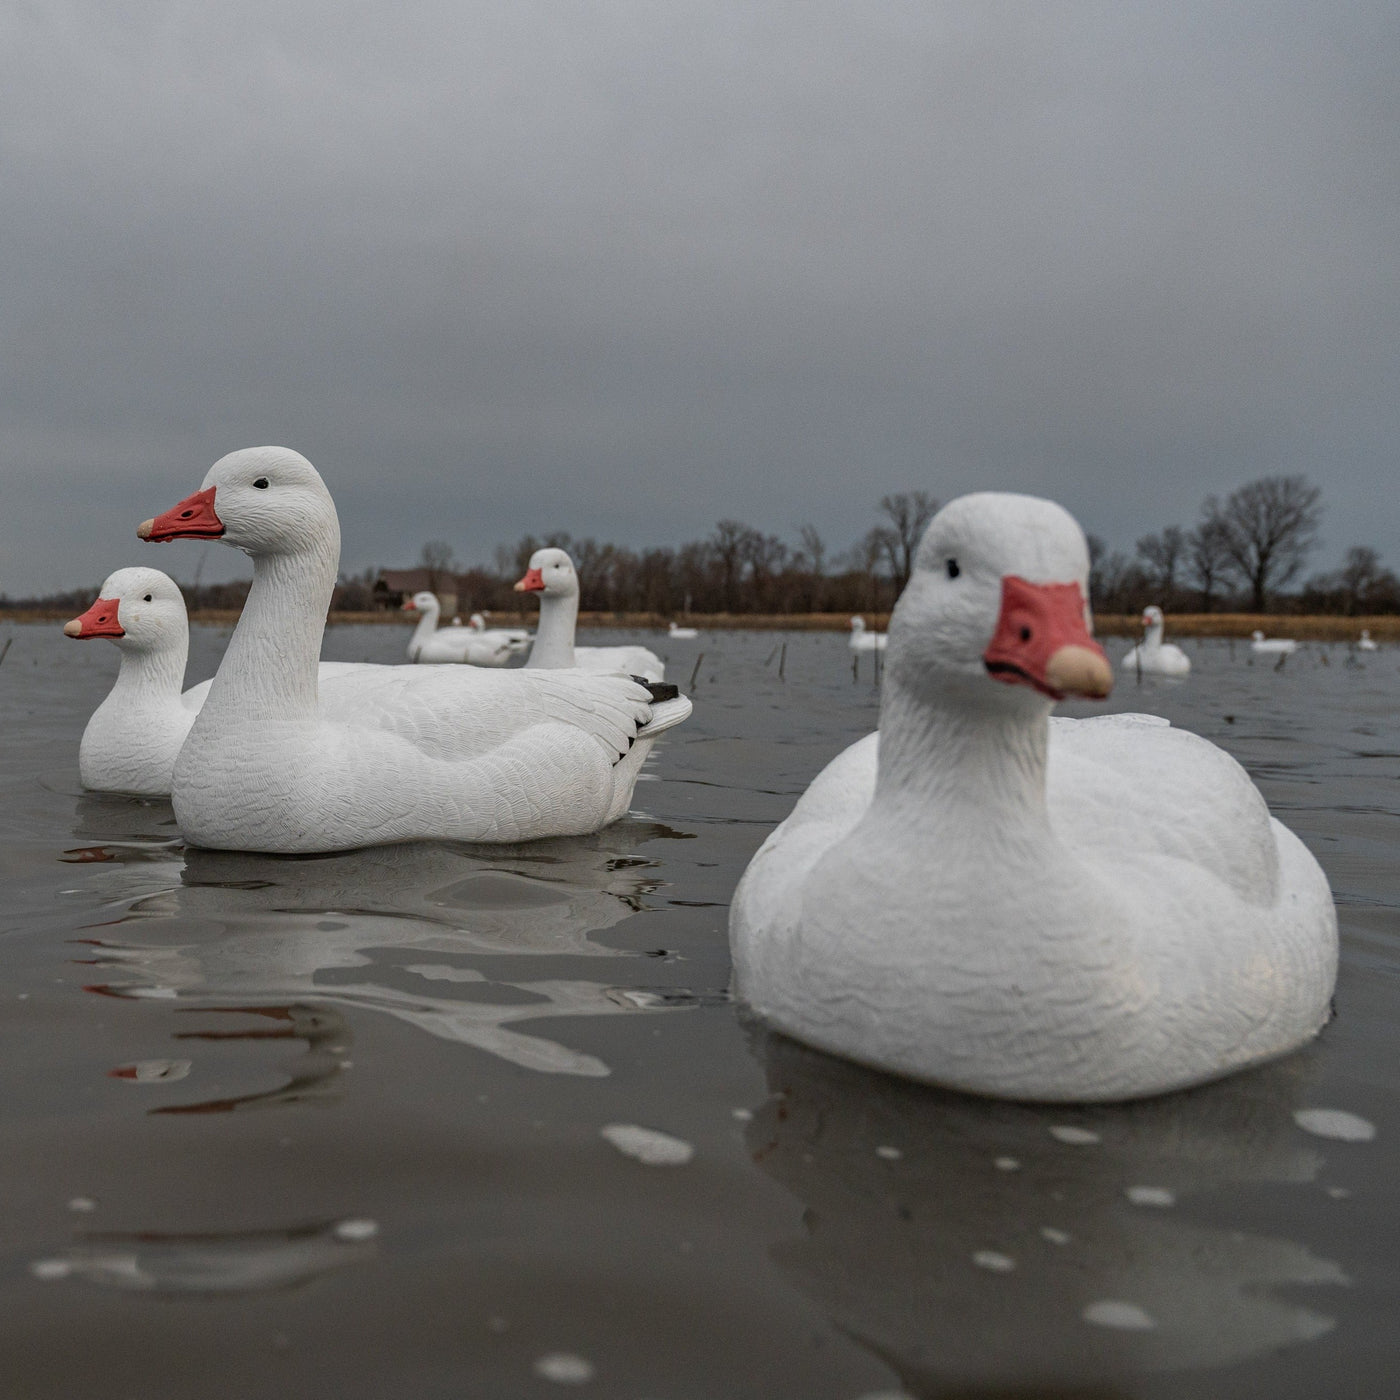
(1150,656)
(861,640)
(551,574)
(682,634)
(1366,642)
(457,644)
(985,898)
(516,637)
(131,741)
(1271,646)
(425,752)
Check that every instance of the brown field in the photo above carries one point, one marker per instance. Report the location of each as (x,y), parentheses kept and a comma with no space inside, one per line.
(1385,628)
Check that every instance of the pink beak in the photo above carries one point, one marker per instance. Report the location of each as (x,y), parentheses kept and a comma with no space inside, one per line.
(533,582)
(1041,640)
(194,518)
(100,620)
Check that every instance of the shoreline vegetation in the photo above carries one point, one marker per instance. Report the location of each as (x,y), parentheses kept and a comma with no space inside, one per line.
(1304,627)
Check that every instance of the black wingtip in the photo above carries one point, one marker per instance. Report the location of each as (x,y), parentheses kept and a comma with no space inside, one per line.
(660,690)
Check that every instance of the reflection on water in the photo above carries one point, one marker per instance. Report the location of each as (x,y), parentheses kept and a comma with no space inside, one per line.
(980,1244)
(237,1262)
(392,929)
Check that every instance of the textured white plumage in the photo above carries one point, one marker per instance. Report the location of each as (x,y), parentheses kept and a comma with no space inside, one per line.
(423,752)
(554,647)
(982,898)
(1150,656)
(132,739)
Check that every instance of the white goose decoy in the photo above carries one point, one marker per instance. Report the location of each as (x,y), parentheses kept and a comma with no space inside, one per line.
(517,637)
(131,741)
(1366,642)
(433,644)
(861,640)
(426,752)
(682,634)
(1271,646)
(1059,910)
(551,574)
(1150,656)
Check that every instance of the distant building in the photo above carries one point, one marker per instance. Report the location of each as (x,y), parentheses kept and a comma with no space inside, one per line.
(393,586)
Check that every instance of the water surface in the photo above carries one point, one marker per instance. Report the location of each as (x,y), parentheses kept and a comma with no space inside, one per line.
(335,1126)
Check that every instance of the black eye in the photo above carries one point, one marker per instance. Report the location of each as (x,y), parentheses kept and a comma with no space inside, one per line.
(953,570)
(1025,634)
(147,598)
(261,483)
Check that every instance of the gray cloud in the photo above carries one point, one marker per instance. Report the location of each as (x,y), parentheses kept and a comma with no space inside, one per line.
(625,268)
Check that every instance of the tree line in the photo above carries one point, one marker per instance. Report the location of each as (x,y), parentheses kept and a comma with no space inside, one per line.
(1242,554)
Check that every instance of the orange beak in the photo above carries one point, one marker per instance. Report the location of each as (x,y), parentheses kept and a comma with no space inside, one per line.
(533,582)
(407,606)
(1042,641)
(100,620)
(193,519)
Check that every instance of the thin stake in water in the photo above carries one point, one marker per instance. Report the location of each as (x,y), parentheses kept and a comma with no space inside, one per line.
(696,671)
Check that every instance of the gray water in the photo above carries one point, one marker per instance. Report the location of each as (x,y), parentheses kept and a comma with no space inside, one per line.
(333,1126)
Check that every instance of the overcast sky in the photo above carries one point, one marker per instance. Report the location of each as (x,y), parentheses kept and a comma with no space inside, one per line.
(626,268)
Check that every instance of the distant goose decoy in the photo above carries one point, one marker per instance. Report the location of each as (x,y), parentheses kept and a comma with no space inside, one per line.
(1271,646)
(431,644)
(517,638)
(1150,656)
(1365,642)
(551,574)
(982,897)
(682,634)
(425,752)
(862,640)
(132,739)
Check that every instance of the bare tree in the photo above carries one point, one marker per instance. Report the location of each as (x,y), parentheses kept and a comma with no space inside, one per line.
(814,550)
(1270,528)
(1207,558)
(436,558)
(728,545)
(909,513)
(1163,554)
(1359,576)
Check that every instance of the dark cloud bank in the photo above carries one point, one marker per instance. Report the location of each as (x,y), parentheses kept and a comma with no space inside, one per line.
(626,268)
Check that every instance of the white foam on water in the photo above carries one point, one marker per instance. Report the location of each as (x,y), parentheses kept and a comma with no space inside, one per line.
(1335,1123)
(744,1115)
(646,1145)
(1113,1312)
(1075,1137)
(890,1154)
(82,1203)
(564,1368)
(50,1269)
(997,1263)
(1157,1196)
(1048,1232)
(1007,1164)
